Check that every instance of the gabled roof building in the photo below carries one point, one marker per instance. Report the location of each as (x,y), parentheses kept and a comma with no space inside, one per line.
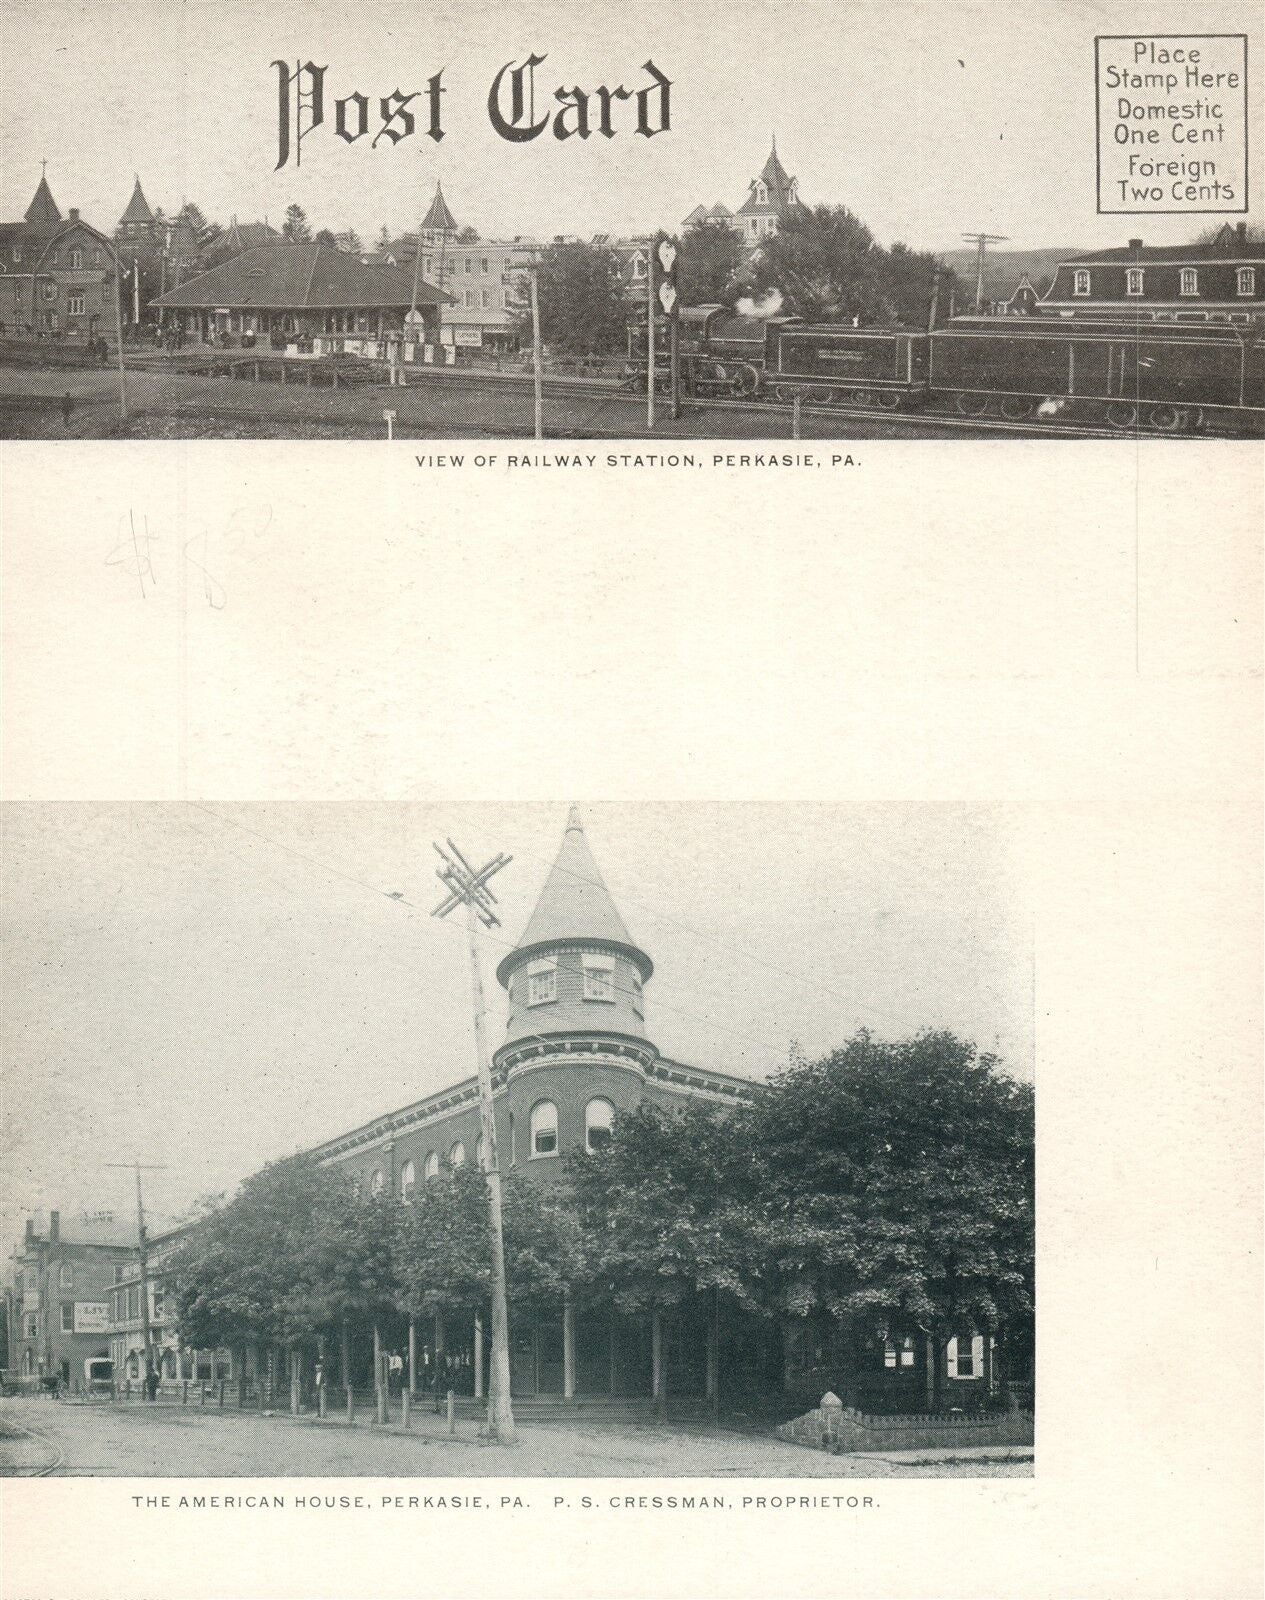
(771,195)
(56,273)
(301,291)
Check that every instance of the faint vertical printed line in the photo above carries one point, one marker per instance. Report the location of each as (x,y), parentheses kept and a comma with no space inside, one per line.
(1137,560)
(182,685)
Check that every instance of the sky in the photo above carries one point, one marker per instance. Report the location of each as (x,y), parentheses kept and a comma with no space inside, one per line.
(206,987)
(928,119)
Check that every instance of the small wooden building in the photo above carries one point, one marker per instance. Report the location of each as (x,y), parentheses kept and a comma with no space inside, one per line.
(303,293)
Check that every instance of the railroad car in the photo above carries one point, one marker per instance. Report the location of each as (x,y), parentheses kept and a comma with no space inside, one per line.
(1206,377)
(1128,374)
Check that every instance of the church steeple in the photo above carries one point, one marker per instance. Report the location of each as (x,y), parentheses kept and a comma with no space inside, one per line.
(576,969)
(43,208)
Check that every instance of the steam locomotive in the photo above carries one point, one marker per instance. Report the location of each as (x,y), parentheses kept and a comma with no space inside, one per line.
(1159,376)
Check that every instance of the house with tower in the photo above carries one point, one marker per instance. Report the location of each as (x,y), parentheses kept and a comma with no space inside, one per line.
(771,195)
(576,1053)
(56,273)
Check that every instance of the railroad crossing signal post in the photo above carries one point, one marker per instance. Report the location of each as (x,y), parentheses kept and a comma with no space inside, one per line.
(469,888)
(666,252)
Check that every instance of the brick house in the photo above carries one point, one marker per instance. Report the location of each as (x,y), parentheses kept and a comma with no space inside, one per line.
(1223,281)
(56,273)
(575,1054)
(62,1279)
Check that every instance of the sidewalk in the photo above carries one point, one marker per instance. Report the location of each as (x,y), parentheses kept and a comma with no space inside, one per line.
(951,1453)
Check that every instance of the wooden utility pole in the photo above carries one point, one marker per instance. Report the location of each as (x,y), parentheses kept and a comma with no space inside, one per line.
(981,241)
(469,888)
(118,333)
(537,367)
(142,1256)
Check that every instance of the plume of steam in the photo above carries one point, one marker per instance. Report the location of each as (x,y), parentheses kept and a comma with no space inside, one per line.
(769,306)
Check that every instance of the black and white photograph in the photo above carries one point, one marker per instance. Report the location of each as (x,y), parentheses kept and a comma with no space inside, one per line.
(630,962)
(801,221)
(412,1150)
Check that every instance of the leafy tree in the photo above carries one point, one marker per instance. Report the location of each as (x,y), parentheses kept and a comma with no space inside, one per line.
(296,228)
(326,237)
(710,261)
(349,241)
(582,306)
(909,281)
(468,235)
(899,1183)
(440,1254)
(669,1209)
(826,264)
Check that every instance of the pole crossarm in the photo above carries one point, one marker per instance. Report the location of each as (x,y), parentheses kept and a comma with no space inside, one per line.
(466,886)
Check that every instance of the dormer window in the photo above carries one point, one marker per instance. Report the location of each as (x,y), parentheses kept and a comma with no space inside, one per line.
(1080,281)
(542,982)
(1190,281)
(761,193)
(599,978)
(1247,280)
(1134,280)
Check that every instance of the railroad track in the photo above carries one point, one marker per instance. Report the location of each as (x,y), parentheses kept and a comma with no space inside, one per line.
(40,1438)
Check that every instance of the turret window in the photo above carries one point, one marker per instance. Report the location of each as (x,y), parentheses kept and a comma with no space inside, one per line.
(542,982)
(599,1122)
(599,978)
(544,1129)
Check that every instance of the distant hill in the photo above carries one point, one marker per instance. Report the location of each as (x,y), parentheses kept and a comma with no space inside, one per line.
(1004,268)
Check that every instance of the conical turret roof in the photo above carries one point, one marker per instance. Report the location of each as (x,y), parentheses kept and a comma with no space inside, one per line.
(439,219)
(43,208)
(575,906)
(137,207)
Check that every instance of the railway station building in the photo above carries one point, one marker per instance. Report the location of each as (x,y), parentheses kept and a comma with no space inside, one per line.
(300,294)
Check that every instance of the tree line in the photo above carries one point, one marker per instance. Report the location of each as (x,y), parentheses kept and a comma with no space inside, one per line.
(886,1186)
(822,264)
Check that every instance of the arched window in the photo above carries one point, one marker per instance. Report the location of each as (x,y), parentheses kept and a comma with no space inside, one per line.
(430,1167)
(408,1181)
(457,1155)
(544,1129)
(478,1153)
(377,1182)
(599,1119)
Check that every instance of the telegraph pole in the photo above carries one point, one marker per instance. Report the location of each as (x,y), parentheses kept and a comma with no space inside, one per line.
(142,1254)
(118,333)
(536,361)
(469,888)
(981,241)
